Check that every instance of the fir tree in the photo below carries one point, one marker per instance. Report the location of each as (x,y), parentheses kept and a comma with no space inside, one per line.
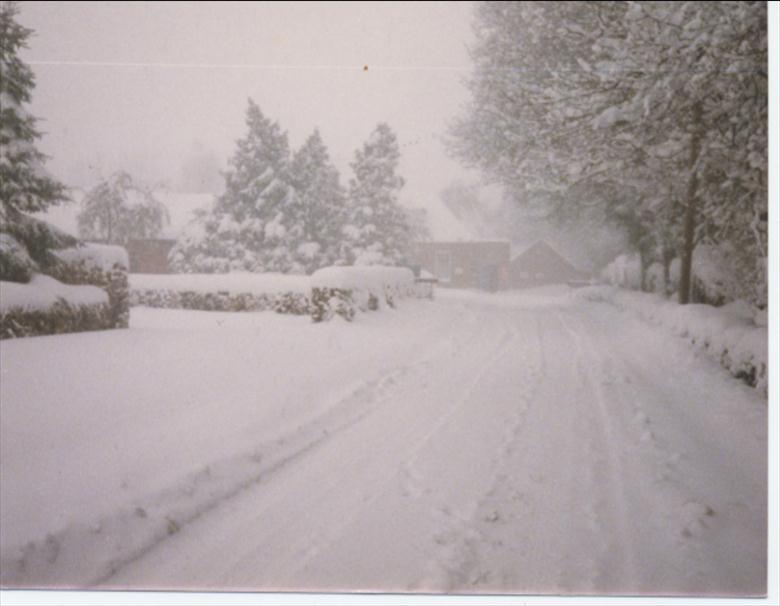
(378,230)
(25,186)
(247,228)
(319,210)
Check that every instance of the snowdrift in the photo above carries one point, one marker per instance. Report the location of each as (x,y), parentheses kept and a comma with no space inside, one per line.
(727,334)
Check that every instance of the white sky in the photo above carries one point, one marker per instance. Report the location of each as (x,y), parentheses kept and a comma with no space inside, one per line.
(140,85)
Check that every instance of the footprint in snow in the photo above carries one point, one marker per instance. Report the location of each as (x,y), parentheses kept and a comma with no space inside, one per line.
(696,518)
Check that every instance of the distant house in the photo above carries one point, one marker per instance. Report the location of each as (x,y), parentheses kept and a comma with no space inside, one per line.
(541,264)
(466,264)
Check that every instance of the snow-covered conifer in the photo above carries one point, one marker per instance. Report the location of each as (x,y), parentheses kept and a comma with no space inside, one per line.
(318,213)
(25,186)
(378,230)
(247,227)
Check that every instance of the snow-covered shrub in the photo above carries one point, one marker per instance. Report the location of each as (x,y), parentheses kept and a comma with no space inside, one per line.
(344,290)
(728,334)
(45,306)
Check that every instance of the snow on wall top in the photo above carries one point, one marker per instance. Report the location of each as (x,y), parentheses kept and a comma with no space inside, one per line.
(41,292)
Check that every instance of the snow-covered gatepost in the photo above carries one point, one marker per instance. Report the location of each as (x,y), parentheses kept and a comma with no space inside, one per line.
(344,290)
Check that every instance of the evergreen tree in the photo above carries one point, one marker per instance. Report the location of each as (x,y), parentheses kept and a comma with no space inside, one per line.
(318,213)
(25,186)
(247,228)
(378,231)
(117,210)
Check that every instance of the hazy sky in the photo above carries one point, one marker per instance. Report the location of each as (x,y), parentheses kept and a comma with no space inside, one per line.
(140,85)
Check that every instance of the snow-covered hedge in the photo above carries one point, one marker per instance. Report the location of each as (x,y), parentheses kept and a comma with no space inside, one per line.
(241,291)
(99,265)
(344,290)
(332,290)
(732,334)
(45,306)
(86,290)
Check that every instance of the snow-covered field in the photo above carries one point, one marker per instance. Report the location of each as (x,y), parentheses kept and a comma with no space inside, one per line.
(527,442)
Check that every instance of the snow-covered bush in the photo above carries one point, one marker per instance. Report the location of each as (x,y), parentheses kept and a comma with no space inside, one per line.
(728,334)
(344,290)
(242,291)
(45,306)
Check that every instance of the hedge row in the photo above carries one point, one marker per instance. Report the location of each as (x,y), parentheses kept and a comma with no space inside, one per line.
(113,281)
(94,265)
(285,303)
(327,302)
(62,317)
(337,292)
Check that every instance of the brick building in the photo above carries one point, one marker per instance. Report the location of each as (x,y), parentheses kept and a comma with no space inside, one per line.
(467,264)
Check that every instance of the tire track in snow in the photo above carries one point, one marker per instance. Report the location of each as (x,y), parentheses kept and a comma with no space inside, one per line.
(461,539)
(299,552)
(617,563)
(91,553)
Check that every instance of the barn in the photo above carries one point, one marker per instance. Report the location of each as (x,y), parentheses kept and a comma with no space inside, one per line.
(466,264)
(541,264)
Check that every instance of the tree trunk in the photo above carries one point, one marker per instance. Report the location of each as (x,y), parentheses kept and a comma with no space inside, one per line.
(642,271)
(691,197)
(668,257)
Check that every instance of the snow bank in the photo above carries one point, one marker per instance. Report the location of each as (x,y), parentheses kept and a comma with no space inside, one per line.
(727,334)
(42,292)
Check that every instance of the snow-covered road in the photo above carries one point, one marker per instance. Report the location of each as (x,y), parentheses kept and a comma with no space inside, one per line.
(521,443)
